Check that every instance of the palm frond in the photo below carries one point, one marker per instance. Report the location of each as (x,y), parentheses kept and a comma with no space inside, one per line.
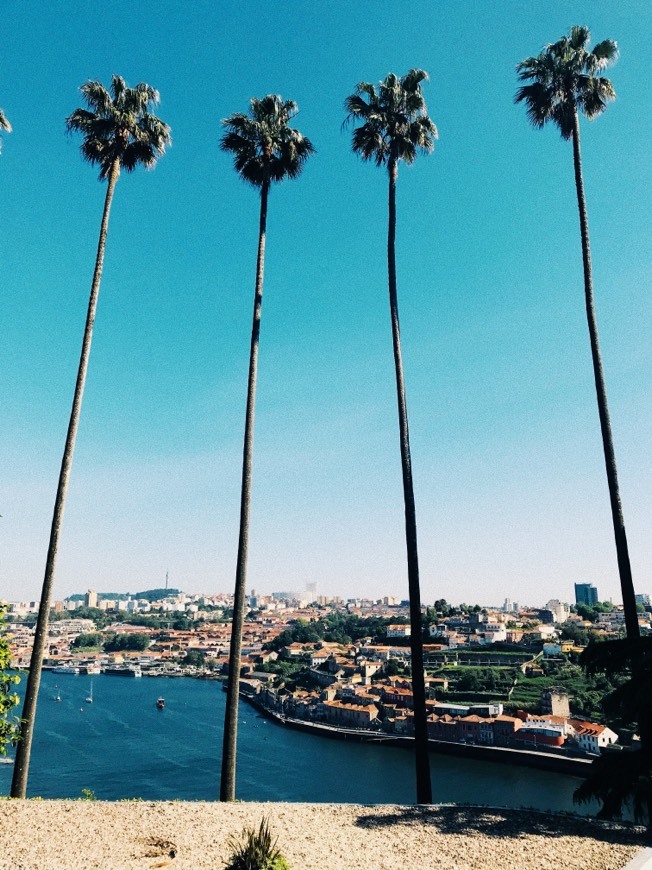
(562,80)
(618,780)
(117,125)
(392,117)
(4,122)
(265,148)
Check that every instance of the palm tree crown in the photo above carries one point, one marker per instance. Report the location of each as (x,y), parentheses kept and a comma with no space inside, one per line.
(395,125)
(563,79)
(119,126)
(264,147)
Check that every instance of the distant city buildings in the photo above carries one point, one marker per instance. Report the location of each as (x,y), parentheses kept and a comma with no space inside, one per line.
(559,610)
(586,593)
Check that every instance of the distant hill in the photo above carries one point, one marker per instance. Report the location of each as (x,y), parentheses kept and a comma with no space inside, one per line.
(147,595)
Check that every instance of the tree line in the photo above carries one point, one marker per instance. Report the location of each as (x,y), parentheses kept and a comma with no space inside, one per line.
(390,126)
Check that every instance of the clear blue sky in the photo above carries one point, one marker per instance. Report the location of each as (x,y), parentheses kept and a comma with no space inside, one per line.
(510,485)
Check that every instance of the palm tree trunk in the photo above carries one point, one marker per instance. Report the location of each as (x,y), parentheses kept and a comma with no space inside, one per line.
(227,783)
(622,551)
(424,789)
(24,747)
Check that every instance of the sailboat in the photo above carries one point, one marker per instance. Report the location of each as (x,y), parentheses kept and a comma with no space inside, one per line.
(89,699)
(57,697)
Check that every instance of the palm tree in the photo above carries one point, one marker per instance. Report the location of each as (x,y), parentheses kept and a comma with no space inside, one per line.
(4,125)
(624,778)
(265,149)
(564,81)
(119,133)
(395,126)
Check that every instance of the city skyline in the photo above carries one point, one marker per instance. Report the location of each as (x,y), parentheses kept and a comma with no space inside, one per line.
(511,494)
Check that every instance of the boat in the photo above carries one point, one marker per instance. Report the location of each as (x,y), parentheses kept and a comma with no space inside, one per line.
(89,699)
(5,760)
(57,697)
(160,703)
(65,669)
(124,671)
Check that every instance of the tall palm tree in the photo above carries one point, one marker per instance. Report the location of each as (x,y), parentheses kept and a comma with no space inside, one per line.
(119,132)
(265,150)
(563,81)
(394,126)
(4,125)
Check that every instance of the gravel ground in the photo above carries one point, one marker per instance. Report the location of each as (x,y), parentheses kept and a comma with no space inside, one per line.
(44,835)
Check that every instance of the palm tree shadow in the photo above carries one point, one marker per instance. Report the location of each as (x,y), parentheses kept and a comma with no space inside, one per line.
(501,823)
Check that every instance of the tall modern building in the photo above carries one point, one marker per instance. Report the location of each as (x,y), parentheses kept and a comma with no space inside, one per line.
(586,593)
(91,598)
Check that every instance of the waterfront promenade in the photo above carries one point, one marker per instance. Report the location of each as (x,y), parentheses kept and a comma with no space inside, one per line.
(553,761)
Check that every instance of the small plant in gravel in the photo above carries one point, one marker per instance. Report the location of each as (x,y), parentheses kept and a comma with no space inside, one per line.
(255,850)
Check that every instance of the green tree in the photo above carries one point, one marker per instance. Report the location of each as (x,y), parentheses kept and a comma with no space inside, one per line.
(194,658)
(623,779)
(574,632)
(394,126)
(83,641)
(564,81)
(9,728)
(265,149)
(119,132)
(133,642)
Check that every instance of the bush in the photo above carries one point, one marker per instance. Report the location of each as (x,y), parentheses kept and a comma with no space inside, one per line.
(255,850)
(9,727)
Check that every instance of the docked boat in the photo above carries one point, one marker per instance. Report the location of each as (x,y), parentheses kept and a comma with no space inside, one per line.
(65,669)
(160,703)
(133,671)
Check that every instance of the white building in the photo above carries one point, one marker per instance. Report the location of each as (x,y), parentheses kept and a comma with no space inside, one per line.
(398,631)
(592,737)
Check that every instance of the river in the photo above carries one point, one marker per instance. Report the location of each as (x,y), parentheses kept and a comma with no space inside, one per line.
(121,746)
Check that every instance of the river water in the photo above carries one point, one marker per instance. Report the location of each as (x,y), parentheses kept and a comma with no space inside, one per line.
(121,746)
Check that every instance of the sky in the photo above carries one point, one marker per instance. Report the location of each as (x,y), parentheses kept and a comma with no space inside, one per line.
(509,476)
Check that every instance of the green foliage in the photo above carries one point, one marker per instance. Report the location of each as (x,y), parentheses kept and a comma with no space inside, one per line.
(101,618)
(393,668)
(120,642)
(575,633)
(592,613)
(118,125)
(155,594)
(562,80)
(83,641)
(495,680)
(625,779)
(194,658)
(9,728)
(255,850)
(586,690)
(265,148)
(87,795)
(338,627)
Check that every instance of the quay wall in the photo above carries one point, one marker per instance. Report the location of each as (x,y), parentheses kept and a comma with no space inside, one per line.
(505,755)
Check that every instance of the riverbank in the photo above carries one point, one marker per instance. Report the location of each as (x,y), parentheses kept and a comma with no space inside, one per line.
(66,835)
(554,762)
